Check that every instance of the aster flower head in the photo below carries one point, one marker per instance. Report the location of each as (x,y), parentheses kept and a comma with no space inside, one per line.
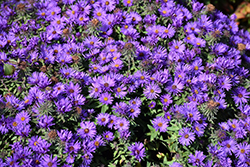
(106,98)
(109,136)
(243,149)
(177,46)
(187,136)
(160,123)
(128,3)
(22,117)
(49,161)
(122,124)
(87,130)
(64,135)
(197,159)
(152,90)
(240,95)
(166,100)
(98,141)
(46,121)
(175,87)
(138,151)
(103,119)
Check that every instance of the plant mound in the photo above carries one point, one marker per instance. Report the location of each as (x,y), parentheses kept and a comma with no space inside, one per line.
(122,83)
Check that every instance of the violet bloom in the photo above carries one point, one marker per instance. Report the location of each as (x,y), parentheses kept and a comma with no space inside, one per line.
(152,90)
(49,161)
(229,146)
(98,141)
(63,105)
(103,119)
(175,87)
(64,135)
(137,150)
(166,100)
(87,130)
(242,151)
(122,124)
(128,3)
(45,121)
(22,117)
(106,98)
(160,123)
(109,136)
(240,95)
(187,136)
(177,46)
(197,159)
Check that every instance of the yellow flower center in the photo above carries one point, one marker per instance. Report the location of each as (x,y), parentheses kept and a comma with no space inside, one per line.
(160,124)
(99,14)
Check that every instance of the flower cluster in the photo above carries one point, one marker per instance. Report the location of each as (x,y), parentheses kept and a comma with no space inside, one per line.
(111,82)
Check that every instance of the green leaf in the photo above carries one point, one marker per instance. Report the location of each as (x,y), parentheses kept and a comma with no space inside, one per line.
(173,128)
(8,69)
(104,108)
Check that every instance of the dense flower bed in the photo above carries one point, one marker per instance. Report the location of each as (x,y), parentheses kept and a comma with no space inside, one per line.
(122,83)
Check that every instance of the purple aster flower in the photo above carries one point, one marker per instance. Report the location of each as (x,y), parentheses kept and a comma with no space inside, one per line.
(64,58)
(45,121)
(229,146)
(175,87)
(73,89)
(243,149)
(87,130)
(220,48)
(109,5)
(78,99)
(197,159)
(128,3)
(106,98)
(175,164)
(177,46)
(103,119)
(120,91)
(67,72)
(133,111)
(160,123)
(109,136)
(34,143)
(107,82)
(100,14)
(168,32)
(95,90)
(122,124)
(70,159)
(152,104)
(112,121)
(22,117)
(98,141)
(4,122)
(187,136)
(63,105)
(240,95)
(64,135)
(166,99)
(198,129)
(138,151)
(49,161)
(72,147)
(152,90)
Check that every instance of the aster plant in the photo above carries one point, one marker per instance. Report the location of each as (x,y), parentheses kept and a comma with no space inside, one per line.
(122,83)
